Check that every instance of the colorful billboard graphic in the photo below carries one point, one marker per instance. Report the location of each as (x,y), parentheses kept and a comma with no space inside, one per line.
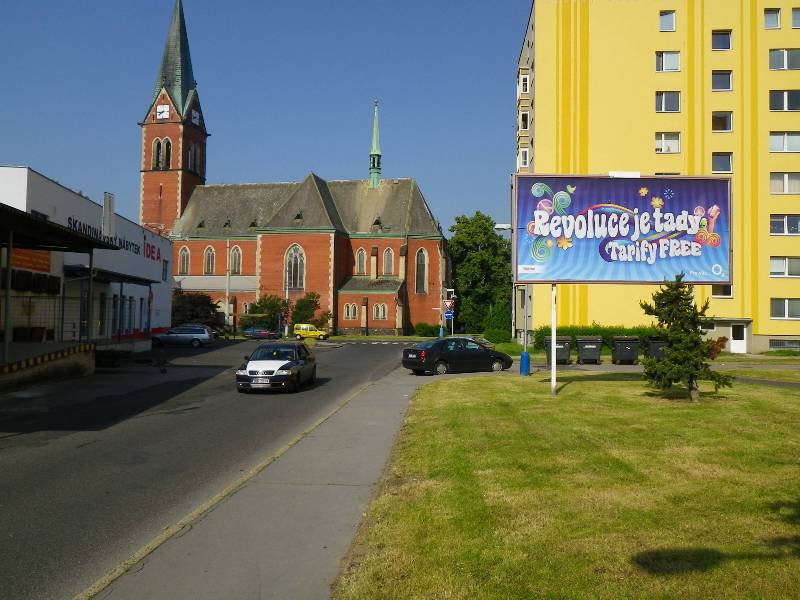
(622,230)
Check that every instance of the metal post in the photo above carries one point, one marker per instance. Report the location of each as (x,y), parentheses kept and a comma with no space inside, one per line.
(7,307)
(227,281)
(89,311)
(553,340)
(525,315)
(121,312)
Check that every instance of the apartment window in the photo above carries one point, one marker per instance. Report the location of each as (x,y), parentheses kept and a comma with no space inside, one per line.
(784,224)
(796,18)
(784,99)
(523,157)
(668,61)
(784,308)
(722,120)
(772,18)
(668,142)
(722,291)
(721,40)
(784,141)
(784,266)
(666,20)
(668,101)
(523,84)
(783,59)
(784,183)
(721,81)
(524,120)
(722,162)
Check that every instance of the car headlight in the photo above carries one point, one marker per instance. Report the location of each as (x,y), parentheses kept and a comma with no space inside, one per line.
(283,372)
(241,372)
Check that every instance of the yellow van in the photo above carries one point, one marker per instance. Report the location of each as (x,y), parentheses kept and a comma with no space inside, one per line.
(304,330)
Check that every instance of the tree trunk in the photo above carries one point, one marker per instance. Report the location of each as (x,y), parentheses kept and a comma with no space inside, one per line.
(694,391)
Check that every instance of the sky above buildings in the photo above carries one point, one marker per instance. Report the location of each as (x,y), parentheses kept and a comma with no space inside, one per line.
(286,88)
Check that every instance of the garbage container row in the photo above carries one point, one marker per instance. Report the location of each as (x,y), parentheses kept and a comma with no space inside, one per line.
(624,349)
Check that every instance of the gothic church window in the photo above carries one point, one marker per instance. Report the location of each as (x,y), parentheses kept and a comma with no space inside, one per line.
(361,262)
(208,261)
(183,261)
(422,272)
(388,261)
(295,268)
(157,157)
(236,261)
(167,163)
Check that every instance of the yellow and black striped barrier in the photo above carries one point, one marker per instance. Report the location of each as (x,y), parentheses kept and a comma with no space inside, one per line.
(43,359)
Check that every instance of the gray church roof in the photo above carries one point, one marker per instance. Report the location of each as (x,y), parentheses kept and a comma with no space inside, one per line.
(395,208)
(360,283)
(176,73)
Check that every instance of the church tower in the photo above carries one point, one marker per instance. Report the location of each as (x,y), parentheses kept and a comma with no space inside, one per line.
(173,135)
(375,154)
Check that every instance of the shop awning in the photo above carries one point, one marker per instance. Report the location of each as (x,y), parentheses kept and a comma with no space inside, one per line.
(104,276)
(37,233)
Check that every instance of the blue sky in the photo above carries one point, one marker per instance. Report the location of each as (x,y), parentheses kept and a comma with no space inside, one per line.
(286,88)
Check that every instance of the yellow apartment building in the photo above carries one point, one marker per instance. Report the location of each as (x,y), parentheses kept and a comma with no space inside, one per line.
(675,87)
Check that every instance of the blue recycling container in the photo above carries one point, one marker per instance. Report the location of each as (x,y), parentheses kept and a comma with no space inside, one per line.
(524,364)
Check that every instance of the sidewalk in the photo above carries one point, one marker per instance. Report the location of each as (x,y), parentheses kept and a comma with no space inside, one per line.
(284,533)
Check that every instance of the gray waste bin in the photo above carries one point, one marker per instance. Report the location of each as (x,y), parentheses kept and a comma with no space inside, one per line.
(563,348)
(589,349)
(625,349)
(654,347)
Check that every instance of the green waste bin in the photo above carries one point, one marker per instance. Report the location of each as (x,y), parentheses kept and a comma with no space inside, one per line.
(563,348)
(589,348)
(654,347)
(625,349)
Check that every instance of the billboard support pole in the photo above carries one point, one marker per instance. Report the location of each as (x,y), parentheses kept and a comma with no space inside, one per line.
(552,340)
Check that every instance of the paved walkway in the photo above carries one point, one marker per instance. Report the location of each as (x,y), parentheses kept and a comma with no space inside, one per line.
(284,532)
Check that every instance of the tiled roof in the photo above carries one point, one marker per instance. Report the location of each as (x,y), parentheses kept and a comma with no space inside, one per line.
(176,73)
(368,284)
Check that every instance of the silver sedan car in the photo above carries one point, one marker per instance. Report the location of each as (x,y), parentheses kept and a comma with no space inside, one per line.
(194,336)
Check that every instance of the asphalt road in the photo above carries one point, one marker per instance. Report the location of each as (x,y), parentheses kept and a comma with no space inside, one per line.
(82,488)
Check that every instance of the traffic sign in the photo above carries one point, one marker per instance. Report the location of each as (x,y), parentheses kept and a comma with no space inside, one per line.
(448,304)
(448,314)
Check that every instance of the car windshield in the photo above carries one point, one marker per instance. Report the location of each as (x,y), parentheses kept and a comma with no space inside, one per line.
(273,353)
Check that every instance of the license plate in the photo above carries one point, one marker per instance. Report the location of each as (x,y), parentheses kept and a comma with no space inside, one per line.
(260,380)
(412,355)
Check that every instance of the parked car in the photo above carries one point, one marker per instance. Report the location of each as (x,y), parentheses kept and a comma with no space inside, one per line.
(211,331)
(261,333)
(282,365)
(454,355)
(184,335)
(305,330)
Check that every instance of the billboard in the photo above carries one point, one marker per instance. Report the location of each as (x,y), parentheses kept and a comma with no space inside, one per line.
(572,228)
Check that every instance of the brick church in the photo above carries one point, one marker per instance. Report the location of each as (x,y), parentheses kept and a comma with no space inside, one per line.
(370,248)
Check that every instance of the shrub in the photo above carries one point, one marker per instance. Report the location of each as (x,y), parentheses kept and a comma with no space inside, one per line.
(426,330)
(497,336)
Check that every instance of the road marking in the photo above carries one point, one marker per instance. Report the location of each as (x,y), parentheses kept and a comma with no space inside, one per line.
(172,530)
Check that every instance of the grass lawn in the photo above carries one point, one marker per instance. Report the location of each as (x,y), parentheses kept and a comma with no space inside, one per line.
(610,490)
(792,375)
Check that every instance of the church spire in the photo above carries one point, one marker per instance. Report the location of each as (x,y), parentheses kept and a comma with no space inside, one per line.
(176,73)
(375,154)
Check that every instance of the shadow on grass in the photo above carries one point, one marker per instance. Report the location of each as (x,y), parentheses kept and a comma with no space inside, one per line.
(677,561)
(615,377)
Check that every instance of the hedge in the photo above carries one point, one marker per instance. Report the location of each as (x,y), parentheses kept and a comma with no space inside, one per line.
(426,330)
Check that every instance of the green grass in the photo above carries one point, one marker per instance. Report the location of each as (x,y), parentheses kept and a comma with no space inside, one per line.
(791,375)
(609,490)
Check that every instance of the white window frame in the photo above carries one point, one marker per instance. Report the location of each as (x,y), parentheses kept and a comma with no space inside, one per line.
(785,103)
(796,18)
(235,250)
(771,11)
(730,40)
(784,138)
(359,253)
(785,316)
(662,107)
(785,55)
(662,141)
(730,80)
(785,182)
(209,251)
(524,158)
(717,285)
(728,154)
(664,13)
(661,55)
(524,84)
(390,254)
(785,217)
(722,112)
(184,251)
(785,272)
(523,126)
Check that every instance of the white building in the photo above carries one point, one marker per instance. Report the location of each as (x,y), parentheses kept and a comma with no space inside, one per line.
(131,288)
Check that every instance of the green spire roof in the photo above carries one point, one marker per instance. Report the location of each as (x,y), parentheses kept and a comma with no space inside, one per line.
(176,65)
(375,154)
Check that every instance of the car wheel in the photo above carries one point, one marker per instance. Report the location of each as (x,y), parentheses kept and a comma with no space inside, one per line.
(196,343)
(298,337)
(497,366)
(322,337)
(441,368)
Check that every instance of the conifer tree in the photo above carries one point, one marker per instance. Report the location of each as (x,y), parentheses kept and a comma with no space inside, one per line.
(687,351)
